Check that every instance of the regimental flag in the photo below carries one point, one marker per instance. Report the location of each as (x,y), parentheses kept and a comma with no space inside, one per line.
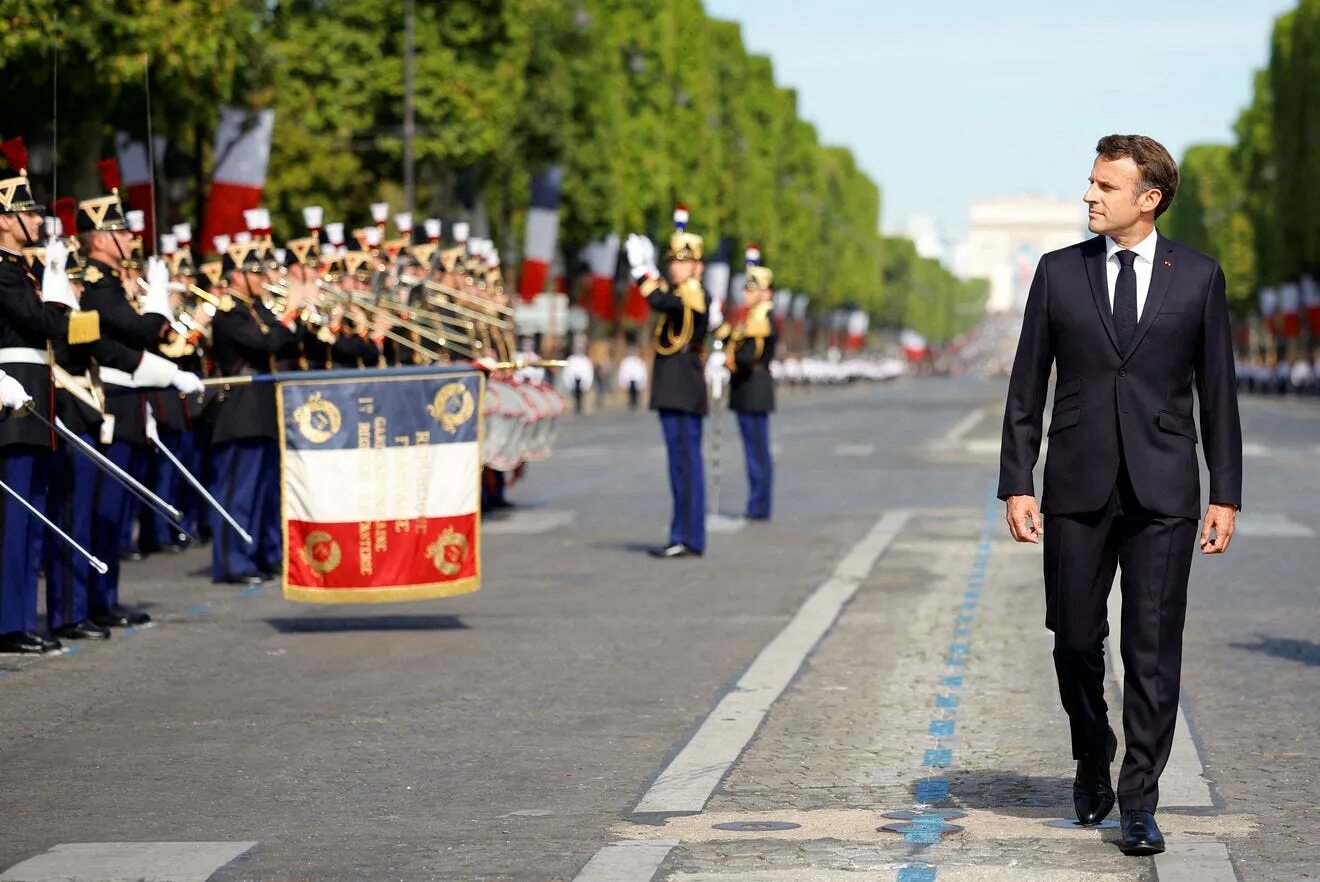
(381,479)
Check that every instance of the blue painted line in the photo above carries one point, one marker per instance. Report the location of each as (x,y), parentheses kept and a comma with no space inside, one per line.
(946,702)
(972,595)
(962,632)
(913,873)
(72,649)
(941,728)
(969,604)
(250,591)
(956,661)
(937,756)
(959,648)
(199,609)
(954,681)
(964,620)
(132,629)
(932,790)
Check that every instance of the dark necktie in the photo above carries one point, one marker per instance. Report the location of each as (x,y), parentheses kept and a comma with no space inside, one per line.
(1125,300)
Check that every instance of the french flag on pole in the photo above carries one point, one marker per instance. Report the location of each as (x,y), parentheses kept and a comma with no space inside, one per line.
(602,258)
(242,153)
(542,231)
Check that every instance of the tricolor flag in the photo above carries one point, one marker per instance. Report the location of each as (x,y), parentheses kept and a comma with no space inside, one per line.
(242,152)
(1311,301)
(381,481)
(542,231)
(602,257)
(136,174)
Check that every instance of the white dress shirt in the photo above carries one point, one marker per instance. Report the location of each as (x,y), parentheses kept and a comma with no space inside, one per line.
(1143,266)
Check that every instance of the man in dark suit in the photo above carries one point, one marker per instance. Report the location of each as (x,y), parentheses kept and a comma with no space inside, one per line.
(1131,322)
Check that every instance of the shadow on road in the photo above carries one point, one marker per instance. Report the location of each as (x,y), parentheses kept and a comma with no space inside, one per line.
(1008,791)
(331,624)
(1304,651)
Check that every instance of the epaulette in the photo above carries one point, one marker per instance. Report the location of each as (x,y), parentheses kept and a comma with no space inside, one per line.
(84,327)
(758,321)
(693,295)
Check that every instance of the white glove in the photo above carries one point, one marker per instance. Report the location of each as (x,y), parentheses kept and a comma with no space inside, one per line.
(641,257)
(188,383)
(157,299)
(12,393)
(153,434)
(55,287)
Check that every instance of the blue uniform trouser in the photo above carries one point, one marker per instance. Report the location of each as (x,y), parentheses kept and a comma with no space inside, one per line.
(26,471)
(246,482)
(755,429)
(687,480)
(74,485)
(169,485)
(115,509)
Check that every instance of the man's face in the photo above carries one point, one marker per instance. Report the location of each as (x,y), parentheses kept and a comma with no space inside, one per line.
(13,225)
(753,296)
(682,270)
(1113,202)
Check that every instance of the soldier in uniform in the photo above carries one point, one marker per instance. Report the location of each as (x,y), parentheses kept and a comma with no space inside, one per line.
(749,350)
(678,384)
(245,436)
(137,333)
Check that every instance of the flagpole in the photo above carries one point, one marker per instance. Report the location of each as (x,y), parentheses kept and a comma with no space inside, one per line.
(409,120)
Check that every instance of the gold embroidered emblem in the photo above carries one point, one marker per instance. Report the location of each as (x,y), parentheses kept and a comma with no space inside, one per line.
(92,275)
(321,552)
(318,420)
(449,552)
(453,406)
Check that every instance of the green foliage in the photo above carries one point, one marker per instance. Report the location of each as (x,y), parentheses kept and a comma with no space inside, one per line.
(1210,214)
(923,295)
(645,103)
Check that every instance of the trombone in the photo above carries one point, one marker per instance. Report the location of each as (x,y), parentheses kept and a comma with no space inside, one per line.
(426,332)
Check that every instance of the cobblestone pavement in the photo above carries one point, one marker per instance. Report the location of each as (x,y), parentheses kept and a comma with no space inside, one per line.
(510,734)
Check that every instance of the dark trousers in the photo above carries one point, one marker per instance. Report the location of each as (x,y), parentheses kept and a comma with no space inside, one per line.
(25,471)
(114,511)
(247,484)
(755,429)
(687,480)
(75,484)
(1154,553)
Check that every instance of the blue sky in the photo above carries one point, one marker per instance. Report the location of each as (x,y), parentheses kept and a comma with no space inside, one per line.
(948,101)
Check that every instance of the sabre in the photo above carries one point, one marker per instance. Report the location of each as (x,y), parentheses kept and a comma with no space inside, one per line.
(192,480)
(131,484)
(97,564)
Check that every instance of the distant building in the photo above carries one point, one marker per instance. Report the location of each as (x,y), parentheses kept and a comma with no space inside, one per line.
(925,233)
(1006,239)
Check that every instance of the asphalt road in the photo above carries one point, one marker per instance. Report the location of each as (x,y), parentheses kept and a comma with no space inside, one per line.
(516,732)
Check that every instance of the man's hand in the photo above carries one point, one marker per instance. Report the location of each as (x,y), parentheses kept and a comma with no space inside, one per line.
(641,257)
(12,393)
(1024,520)
(1220,520)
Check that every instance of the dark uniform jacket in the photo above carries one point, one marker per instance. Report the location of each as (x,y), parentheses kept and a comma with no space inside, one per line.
(27,323)
(678,381)
(103,291)
(245,340)
(752,388)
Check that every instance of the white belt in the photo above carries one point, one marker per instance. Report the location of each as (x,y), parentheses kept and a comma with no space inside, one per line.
(24,355)
(117,377)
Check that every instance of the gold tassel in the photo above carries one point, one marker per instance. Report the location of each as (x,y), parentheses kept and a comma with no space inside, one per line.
(84,327)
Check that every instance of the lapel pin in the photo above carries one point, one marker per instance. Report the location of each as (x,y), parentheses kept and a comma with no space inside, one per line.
(1166,263)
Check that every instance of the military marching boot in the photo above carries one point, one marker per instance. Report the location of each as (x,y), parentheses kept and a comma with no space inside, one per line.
(84,630)
(119,616)
(1093,789)
(678,549)
(28,643)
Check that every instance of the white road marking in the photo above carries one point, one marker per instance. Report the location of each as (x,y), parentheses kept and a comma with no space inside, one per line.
(983,446)
(1252,448)
(962,427)
(627,861)
(526,523)
(1272,524)
(127,862)
(1183,783)
(854,450)
(691,777)
(718,523)
(1195,860)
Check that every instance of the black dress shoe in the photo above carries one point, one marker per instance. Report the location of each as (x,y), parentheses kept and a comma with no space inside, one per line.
(28,643)
(119,616)
(1141,835)
(1093,789)
(84,630)
(676,550)
(250,579)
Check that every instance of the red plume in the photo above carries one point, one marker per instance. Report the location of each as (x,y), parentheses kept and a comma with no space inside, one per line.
(109,169)
(66,209)
(16,153)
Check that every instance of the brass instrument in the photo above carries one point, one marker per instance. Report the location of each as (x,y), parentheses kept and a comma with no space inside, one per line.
(465,346)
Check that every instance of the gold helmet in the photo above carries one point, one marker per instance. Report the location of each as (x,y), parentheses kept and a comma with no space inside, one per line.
(759,278)
(683,245)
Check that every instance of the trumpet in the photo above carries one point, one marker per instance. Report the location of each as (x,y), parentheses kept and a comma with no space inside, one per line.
(483,310)
(467,347)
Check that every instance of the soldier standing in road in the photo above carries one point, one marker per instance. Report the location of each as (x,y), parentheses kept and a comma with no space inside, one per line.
(678,383)
(749,349)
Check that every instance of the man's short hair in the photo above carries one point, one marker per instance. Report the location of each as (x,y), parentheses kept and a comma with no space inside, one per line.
(1158,170)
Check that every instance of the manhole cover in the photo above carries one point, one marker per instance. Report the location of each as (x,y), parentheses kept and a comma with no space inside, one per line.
(1071,824)
(910,814)
(756,826)
(922,831)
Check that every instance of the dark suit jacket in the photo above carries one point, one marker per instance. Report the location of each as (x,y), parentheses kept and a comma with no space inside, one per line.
(1133,407)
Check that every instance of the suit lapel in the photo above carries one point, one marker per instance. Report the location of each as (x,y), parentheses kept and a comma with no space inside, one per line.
(1161,275)
(1093,256)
